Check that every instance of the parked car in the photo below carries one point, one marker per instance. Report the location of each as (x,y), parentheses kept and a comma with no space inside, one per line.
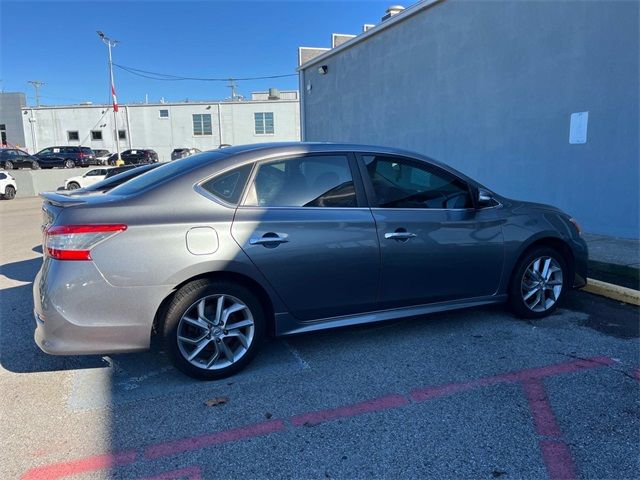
(102,157)
(183,152)
(135,156)
(114,177)
(217,250)
(65,156)
(11,158)
(8,186)
(89,178)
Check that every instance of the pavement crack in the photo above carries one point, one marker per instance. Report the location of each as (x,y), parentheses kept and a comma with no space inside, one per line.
(578,357)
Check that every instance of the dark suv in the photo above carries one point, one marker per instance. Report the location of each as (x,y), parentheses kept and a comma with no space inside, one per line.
(65,156)
(133,156)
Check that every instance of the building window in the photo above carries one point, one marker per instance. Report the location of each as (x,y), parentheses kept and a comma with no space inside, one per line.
(96,134)
(122,134)
(73,135)
(164,113)
(264,123)
(202,124)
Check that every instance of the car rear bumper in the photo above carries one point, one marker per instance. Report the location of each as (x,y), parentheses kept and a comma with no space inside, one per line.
(78,312)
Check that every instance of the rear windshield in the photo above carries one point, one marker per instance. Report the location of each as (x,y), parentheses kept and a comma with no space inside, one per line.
(166,172)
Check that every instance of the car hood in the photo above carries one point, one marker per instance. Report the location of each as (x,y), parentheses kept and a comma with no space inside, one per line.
(534,206)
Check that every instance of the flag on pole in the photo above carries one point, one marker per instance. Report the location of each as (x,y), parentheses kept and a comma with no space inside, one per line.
(115,100)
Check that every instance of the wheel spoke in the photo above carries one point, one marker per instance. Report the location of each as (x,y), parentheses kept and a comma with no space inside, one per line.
(241,324)
(226,350)
(236,307)
(193,341)
(530,293)
(219,307)
(214,357)
(199,348)
(201,307)
(196,322)
(545,268)
(242,338)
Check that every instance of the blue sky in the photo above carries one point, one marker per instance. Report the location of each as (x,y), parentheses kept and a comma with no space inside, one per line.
(56,42)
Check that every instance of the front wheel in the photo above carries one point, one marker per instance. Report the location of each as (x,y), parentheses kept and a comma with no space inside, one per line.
(9,193)
(73,186)
(69,164)
(212,329)
(8,165)
(35,165)
(538,283)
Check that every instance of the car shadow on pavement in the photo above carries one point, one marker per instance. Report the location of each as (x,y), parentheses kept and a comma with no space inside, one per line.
(18,351)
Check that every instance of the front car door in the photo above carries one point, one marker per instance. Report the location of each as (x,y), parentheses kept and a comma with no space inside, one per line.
(305,226)
(435,246)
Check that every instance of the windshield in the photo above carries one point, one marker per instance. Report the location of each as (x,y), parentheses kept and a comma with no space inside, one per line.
(166,171)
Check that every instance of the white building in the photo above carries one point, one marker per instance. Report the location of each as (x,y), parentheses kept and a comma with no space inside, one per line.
(268,117)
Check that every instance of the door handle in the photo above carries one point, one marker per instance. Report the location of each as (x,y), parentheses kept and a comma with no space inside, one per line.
(399,235)
(270,239)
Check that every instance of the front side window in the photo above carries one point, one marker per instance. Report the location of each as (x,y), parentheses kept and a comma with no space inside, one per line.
(96,134)
(402,183)
(202,124)
(73,135)
(264,123)
(311,181)
(228,186)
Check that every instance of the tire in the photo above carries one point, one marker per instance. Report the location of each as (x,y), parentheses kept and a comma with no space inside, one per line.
(69,164)
(544,295)
(9,193)
(35,165)
(212,338)
(8,165)
(73,186)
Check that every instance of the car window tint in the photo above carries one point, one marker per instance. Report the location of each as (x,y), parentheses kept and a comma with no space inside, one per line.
(165,172)
(228,186)
(3,176)
(309,181)
(402,183)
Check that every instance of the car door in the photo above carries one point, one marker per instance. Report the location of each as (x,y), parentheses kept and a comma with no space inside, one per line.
(93,176)
(434,245)
(23,159)
(305,226)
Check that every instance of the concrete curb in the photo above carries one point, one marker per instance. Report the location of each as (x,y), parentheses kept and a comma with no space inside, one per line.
(615,292)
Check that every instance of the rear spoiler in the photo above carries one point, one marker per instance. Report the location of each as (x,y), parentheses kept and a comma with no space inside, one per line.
(61,200)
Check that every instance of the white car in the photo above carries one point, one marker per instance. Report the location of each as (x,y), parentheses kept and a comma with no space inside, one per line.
(92,176)
(102,157)
(8,186)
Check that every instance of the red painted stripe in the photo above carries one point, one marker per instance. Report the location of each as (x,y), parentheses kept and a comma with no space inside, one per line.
(194,443)
(543,417)
(90,464)
(189,473)
(557,457)
(422,394)
(375,405)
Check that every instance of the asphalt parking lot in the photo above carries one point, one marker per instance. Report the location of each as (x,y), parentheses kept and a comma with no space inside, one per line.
(469,394)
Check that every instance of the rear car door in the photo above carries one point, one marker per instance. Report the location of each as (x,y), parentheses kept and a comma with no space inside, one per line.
(305,226)
(434,245)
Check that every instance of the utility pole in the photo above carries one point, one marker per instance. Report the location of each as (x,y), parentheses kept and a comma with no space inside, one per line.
(232,85)
(36,85)
(110,44)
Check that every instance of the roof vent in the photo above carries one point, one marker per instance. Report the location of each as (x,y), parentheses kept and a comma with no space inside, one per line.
(274,94)
(392,10)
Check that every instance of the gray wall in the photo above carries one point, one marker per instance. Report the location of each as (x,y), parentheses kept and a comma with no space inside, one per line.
(30,183)
(489,87)
(11,116)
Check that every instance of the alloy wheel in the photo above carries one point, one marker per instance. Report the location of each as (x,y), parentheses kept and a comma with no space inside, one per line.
(215,332)
(542,284)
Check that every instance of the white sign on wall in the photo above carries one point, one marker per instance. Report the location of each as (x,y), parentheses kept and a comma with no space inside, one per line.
(578,128)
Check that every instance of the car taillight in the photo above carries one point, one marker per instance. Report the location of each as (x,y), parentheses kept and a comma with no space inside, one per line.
(74,242)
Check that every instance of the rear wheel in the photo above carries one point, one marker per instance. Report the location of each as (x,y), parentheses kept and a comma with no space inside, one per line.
(9,192)
(8,165)
(73,186)
(69,164)
(538,283)
(212,329)
(35,165)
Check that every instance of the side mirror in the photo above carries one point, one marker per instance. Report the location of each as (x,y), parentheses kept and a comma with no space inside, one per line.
(484,198)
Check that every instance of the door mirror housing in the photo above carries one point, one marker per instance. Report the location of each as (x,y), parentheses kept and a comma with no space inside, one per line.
(484,198)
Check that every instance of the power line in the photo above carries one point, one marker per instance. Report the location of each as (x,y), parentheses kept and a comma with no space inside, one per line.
(176,78)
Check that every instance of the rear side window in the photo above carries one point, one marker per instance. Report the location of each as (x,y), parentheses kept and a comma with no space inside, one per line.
(308,181)
(3,176)
(165,172)
(228,186)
